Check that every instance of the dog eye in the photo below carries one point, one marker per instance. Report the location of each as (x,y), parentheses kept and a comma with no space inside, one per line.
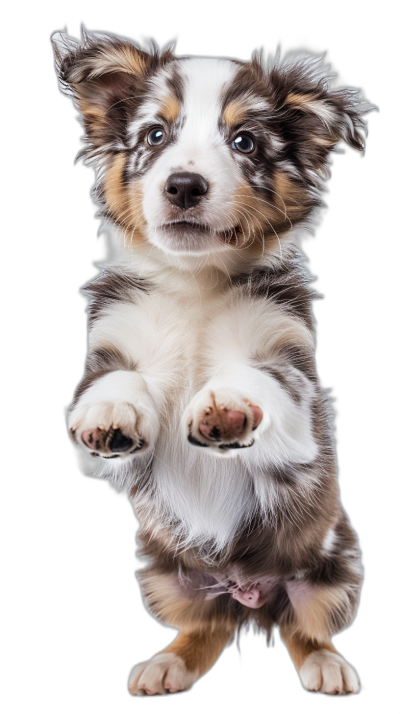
(243,143)
(156,136)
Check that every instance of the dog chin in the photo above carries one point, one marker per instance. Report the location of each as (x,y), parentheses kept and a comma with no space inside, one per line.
(190,238)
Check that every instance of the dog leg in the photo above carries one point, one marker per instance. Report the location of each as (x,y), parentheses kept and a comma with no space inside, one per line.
(178,666)
(242,406)
(320,667)
(317,612)
(206,626)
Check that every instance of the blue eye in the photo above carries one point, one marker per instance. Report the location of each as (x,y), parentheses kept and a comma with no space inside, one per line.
(243,143)
(156,136)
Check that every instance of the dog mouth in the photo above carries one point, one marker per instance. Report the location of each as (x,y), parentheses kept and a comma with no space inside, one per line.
(192,228)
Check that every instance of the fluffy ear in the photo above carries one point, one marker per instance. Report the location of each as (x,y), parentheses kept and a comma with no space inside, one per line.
(316,117)
(105,75)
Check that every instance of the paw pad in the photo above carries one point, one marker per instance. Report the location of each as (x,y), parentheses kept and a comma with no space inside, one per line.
(111,440)
(222,419)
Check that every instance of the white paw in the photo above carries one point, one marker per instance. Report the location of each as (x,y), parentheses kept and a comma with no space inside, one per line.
(163,674)
(222,419)
(113,429)
(328,672)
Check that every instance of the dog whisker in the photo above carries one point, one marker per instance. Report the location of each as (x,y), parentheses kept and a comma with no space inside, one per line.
(200,393)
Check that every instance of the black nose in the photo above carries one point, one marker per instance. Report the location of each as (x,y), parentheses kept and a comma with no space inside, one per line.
(185,189)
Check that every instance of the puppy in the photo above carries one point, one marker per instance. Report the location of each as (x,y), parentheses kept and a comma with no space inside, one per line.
(200,393)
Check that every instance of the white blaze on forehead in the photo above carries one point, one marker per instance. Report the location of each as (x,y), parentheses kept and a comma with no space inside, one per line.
(198,147)
(205,81)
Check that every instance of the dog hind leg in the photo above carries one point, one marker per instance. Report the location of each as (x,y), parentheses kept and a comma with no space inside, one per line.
(178,666)
(317,612)
(321,668)
(206,626)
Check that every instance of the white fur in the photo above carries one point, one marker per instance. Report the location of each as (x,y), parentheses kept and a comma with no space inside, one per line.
(325,671)
(277,143)
(353,562)
(193,331)
(160,674)
(285,433)
(323,111)
(329,541)
(193,334)
(147,113)
(201,149)
(181,335)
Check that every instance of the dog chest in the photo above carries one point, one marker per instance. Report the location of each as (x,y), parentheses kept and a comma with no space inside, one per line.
(179,335)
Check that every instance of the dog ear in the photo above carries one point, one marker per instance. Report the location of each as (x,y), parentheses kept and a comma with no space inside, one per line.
(104,75)
(314,116)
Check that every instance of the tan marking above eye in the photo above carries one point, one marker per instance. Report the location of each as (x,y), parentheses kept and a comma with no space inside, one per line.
(170,108)
(234,112)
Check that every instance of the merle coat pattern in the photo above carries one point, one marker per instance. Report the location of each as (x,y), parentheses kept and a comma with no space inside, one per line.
(200,394)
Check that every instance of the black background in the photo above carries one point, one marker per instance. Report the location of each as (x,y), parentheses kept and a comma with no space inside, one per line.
(91,620)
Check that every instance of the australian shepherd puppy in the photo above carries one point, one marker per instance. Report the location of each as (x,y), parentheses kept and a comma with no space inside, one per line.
(200,393)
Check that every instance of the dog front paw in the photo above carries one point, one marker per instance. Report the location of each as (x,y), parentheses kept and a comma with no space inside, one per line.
(222,419)
(328,672)
(165,673)
(113,429)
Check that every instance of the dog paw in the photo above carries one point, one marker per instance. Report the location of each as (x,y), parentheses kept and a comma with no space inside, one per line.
(112,429)
(221,418)
(163,674)
(328,672)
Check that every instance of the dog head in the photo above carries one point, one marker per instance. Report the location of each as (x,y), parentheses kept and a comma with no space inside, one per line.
(199,155)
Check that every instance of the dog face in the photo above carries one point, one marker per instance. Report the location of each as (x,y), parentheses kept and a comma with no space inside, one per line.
(215,157)
(200,155)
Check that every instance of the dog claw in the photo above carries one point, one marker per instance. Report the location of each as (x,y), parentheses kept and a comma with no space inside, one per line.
(195,442)
(138,447)
(236,445)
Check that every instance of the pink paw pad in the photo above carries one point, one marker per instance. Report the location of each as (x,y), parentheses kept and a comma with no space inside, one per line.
(227,423)
(222,424)
(93,438)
